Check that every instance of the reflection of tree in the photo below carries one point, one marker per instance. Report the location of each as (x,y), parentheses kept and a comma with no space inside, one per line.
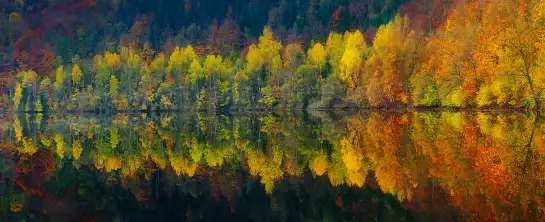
(482,165)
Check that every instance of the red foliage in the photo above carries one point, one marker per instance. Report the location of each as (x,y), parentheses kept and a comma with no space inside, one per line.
(29,34)
(214,38)
(336,16)
(339,202)
(46,20)
(29,190)
(423,12)
(41,59)
(83,4)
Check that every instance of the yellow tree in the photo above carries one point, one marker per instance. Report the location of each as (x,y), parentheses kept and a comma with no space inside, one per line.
(270,51)
(152,75)
(391,63)
(59,78)
(351,62)
(422,82)
(76,75)
(76,81)
(196,73)
(114,86)
(213,69)
(17,97)
(335,50)
(317,55)
(265,55)
(455,55)
(113,61)
(178,64)
(522,54)
(29,82)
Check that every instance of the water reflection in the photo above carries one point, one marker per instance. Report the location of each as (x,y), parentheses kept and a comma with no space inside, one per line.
(270,167)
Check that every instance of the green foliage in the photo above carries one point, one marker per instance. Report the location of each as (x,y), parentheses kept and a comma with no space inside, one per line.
(270,97)
(454,99)
(114,86)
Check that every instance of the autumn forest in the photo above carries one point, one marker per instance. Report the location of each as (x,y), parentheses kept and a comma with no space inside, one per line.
(272,110)
(459,54)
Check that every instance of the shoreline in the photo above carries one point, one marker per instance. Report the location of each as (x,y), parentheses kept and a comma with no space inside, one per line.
(336,110)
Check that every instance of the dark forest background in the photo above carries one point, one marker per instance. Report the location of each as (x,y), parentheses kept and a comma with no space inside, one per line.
(37,30)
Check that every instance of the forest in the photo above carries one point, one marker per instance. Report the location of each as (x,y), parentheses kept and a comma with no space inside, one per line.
(292,55)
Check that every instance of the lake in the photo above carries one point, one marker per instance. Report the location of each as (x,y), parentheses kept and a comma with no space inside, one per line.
(319,166)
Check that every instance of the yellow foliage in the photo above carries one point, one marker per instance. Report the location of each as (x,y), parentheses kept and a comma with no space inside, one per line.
(389,67)
(29,78)
(317,55)
(14,18)
(190,169)
(319,165)
(46,141)
(176,59)
(355,178)
(76,149)
(266,53)
(113,163)
(291,56)
(17,128)
(28,146)
(59,78)
(254,58)
(213,64)
(350,64)
(114,137)
(76,75)
(336,169)
(60,145)
(16,206)
(112,60)
(335,50)
(354,40)
(350,155)
(17,97)
(484,97)
(196,72)
(114,86)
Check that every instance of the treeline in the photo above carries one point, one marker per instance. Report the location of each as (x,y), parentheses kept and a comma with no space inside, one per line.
(34,29)
(486,55)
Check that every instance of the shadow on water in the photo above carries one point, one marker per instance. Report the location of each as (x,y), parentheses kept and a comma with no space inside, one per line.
(326,166)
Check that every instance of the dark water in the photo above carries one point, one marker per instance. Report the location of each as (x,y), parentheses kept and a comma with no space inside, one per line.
(371,166)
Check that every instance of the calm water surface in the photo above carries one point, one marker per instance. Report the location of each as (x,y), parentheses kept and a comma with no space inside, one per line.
(371,166)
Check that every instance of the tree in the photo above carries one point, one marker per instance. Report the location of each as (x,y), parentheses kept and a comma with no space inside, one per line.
(17,97)
(213,69)
(59,78)
(196,74)
(455,55)
(41,59)
(292,57)
(521,56)
(112,60)
(391,64)
(264,56)
(114,86)
(76,75)
(317,55)
(178,66)
(335,50)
